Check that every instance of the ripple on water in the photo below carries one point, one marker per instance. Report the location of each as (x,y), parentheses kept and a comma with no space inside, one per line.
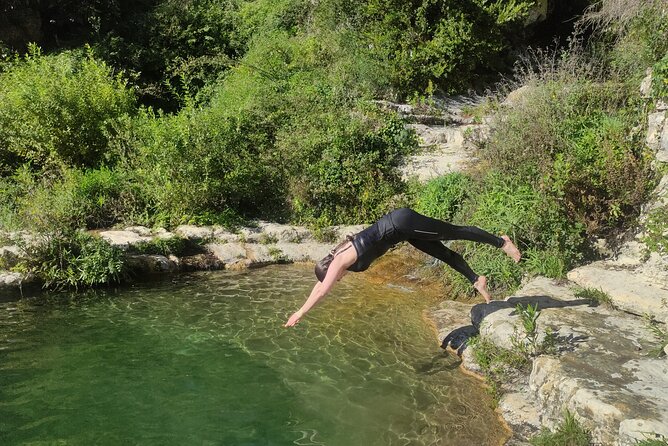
(207,361)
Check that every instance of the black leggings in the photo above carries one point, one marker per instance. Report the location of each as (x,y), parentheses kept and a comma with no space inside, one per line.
(426,233)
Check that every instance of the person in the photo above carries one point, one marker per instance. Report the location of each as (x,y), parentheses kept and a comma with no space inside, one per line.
(357,252)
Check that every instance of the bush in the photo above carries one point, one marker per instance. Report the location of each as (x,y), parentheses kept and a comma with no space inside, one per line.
(576,142)
(94,198)
(74,259)
(59,110)
(443,197)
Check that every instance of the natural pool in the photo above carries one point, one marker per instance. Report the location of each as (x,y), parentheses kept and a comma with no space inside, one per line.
(204,359)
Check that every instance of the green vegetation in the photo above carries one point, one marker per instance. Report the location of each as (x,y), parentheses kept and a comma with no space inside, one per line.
(167,112)
(71,260)
(660,335)
(595,296)
(568,433)
(660,440)
(498,364)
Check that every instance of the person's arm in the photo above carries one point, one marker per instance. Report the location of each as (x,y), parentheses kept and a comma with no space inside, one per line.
(336,270)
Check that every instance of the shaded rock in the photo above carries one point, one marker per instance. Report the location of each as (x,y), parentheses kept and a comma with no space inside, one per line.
(150,264)
(452,320)
(201,262)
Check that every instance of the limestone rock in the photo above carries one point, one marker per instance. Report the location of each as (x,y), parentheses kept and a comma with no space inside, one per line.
(10,279)
(303,252)
(228,253)
(285,233)
(150,264)
(518,96)
(452,320)
(123,239)
(141,230)
(194,232)
(521,413)
(657,134)
(628,291)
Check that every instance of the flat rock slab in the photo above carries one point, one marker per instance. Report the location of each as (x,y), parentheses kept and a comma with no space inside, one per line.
(123,239)
(628,290)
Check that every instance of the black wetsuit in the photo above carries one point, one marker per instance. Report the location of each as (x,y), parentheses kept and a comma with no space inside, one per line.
(422,232)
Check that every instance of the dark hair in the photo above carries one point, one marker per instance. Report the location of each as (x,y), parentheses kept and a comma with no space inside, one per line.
(322,266)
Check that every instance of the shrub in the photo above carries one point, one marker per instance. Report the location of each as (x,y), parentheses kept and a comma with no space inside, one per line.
(575,141)
(443,197)
(73,259)
(59,110)
(93,198)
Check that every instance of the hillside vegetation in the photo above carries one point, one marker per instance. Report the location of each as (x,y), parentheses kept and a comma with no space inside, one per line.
(216,111)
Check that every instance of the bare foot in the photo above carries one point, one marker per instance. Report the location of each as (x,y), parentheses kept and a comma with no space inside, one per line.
(481,286)
(510,249)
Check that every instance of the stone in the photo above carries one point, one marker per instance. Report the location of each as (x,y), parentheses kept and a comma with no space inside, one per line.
(521,413)
(303,252)
(646,84)
(200,262)
(285,233)
(10,279)
(655,129)
(228,253)
(469,363)
(151,264)
(452,321)
(628,291)
(123,239)
(634,430)
(517,96)
(141,230)
(194,232)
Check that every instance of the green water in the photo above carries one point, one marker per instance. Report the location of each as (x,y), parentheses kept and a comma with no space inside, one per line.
(204,360)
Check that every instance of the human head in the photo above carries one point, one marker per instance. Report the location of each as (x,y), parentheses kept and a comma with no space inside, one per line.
(322,266)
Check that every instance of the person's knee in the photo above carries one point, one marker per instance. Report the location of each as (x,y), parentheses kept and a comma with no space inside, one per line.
(402,216)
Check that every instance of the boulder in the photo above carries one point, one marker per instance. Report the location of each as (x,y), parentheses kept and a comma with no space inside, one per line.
(123,239)
(194,232)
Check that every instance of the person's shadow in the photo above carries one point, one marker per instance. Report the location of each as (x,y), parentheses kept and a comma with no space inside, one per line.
(457,338)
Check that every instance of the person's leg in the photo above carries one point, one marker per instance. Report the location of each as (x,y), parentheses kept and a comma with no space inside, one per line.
(436,249)
(420,227)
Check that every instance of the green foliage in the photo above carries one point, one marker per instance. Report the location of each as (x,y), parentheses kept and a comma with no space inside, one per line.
(93,198)
(443,197)
(528,316)
(574,140)
(659,440)
(656,227)
(498,364)
(72,260)
(660,78)
(638,31)
(595,296)
(176,47)
(568,433)
(59,110)
(164,246)
(660,334)
(199,164)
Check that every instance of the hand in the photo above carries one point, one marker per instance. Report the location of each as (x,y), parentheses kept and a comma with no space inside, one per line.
(294,319)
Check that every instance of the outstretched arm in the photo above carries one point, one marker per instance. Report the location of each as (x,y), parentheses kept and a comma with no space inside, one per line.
(336,270)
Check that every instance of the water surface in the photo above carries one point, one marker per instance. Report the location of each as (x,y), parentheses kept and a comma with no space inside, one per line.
(203,359)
